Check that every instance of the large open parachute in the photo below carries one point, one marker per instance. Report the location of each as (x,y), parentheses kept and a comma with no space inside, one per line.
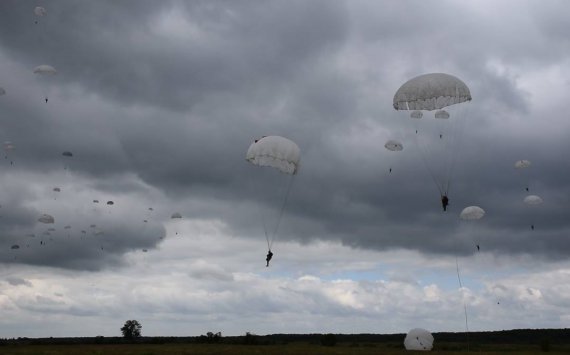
(472,213)
(438,143)
(282,155)
(418,339)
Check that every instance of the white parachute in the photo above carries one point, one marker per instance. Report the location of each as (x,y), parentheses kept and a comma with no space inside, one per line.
(176,215)
(394,146)
(429,92)
(283,155)
(47,219)
(418,339)
(40,11)
(44,71)
(472,213)
(276,152)
(533,200)
(2,91)
(521,164)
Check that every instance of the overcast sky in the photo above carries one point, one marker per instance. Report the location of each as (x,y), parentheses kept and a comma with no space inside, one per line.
(159,101)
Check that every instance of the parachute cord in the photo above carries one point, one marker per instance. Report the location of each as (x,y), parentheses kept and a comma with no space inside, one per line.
(274,234)
(464,304)
(440,186)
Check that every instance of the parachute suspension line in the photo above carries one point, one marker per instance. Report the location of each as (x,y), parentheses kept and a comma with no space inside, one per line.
(281,210)
(423,152)
(464,304)
(261,214)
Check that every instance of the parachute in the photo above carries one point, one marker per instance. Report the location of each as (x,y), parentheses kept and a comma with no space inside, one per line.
(67,154)
(276,152)
(533,200)
(428,92)
(45,70)
(442,114)
(472,213)
(67,227)
(47,219)
(418,339)
(56,189)
(176,215)
(110,203)
(521,164)
(393,146)
(15,246)
(283,155)
(2,91)
(40,11)
(95,201)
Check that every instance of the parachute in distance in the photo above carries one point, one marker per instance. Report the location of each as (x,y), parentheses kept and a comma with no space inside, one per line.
(417,114)
(56,189)
(15,246)
(418,339)
(67,154)
(150,209)
(40,11)
(275,152)
(283,155)
(472,213)
(145,250)
(67,227)
(441,114)
(522,164)
(2,91)
(430,92)
(45,69)
(9,146)
(47,219)
(176,215)
(533,200)
(83,232)
(93,226)
(51,229)
(110,203)
(394,146)
(95,201)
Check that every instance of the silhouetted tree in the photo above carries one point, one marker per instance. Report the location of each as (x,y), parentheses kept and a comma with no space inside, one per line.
(131,329)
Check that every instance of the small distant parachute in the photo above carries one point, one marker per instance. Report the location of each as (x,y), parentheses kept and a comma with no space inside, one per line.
(472,213)
(110,202)
(40,11)
(442,114)
(46,218)
(84,232)
(15,246)
(176,215)
(150,209)
(533,200)
(394,146)
(45,69)
(67,227)
(417,114)
(418,339)
(56,189)
(275,152)
(145,221)
(51,229)
(99,233)
(93,226)
(521,164)
(31,235)
(2,91)
(95,201)
(144,250)
(67,154)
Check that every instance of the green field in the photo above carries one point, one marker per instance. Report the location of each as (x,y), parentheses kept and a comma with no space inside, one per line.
(284,349)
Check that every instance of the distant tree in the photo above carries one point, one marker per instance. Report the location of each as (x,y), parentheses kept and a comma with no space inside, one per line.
(250,339)
(131,329)
(328,340)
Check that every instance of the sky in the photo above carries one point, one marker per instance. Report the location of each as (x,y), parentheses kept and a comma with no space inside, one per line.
(159,101)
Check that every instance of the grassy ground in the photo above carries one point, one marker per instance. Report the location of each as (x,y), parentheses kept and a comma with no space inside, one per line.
(286,349)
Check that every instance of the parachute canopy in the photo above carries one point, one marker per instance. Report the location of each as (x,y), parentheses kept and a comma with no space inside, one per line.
(472,213)
(441,114)
(394,146)
(67,154)
(176,215)
(15,246)
(40,11)
(418,339)
(45,69)
(51,229)
(46,218)
(8,146)
(2,91)
(67,227)
(416,114)
(95,201)
(110,202)
(276,152)
(56,189)
(533,200)
(521,164)
(431,92)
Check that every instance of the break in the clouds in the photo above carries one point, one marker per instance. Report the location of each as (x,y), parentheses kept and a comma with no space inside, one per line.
(159,101)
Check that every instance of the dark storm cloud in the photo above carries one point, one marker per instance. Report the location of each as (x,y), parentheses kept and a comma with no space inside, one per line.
(173,93)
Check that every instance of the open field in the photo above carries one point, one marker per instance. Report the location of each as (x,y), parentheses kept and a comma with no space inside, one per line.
(283,349)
